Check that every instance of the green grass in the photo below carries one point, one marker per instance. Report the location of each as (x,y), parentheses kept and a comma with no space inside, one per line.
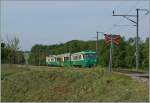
(60,84)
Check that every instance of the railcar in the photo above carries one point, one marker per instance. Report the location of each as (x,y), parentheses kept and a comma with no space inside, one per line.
(63,59)
(80,59)
(51,60)
(84,59)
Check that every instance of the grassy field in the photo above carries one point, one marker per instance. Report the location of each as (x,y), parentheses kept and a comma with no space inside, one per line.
(22,83)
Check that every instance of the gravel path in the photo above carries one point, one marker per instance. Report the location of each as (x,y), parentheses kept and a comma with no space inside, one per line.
(141,77)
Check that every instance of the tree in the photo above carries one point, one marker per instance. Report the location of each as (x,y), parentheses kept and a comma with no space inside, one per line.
(13,43)
(144,55)
(10,51)
(123,54)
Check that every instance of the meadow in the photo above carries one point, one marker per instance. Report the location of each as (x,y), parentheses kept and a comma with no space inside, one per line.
(45,84)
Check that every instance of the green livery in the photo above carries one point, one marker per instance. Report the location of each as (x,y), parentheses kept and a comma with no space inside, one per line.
(80,59)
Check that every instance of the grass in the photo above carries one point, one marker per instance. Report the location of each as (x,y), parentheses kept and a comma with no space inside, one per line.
(60,84)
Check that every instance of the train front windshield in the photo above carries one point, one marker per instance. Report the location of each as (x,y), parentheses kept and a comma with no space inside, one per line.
(89,56)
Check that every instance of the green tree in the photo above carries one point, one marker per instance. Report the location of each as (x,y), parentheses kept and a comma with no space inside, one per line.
(123,54)
(10,51)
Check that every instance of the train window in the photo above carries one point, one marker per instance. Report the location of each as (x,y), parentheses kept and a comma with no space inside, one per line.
(85,56)
(90,56)
(58,59)
(75,57)
(66,58)
(52,60)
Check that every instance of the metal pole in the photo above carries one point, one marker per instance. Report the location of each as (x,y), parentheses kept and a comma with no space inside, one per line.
(137,31)
(137,37)
(97,48)
(70,53)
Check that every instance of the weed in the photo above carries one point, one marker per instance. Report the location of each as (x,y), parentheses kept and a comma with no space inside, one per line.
(51,85)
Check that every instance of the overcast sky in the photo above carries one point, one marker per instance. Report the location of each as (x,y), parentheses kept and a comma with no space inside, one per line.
(49,22)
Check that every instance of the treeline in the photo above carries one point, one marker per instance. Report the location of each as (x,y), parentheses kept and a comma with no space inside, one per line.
(123,54)
(10,53)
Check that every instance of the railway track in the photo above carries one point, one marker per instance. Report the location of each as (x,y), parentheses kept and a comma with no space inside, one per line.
(139,76)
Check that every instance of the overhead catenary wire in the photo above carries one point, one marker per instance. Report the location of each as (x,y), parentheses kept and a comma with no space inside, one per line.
(144,16)
(129,11)
(118,5)
(137,30)
(141,18)
(122,25)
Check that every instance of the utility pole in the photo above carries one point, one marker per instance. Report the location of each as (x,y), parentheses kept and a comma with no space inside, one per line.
(97,48)
(137,37)
(137,31)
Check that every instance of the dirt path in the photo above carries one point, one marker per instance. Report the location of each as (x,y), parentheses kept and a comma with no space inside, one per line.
(141,77)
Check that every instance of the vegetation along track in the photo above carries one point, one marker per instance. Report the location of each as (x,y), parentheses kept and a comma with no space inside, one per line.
(46,84)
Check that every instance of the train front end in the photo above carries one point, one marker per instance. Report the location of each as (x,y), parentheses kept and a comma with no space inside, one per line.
(89,59)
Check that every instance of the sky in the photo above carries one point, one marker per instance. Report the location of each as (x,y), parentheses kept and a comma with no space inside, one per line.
(54,22)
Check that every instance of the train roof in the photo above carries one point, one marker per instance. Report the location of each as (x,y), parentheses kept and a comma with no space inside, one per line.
(86,52)
(68,54)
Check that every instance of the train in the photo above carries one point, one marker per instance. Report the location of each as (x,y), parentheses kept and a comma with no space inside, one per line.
(80,59)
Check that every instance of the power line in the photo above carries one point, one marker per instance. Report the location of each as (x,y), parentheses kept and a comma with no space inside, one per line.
(109,29)
(122,25)
(116,6)
(132,8)
(144,15)
(137,29)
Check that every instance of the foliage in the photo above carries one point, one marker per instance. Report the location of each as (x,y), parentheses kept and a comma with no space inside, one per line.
(144,54)
(24,84)
(10,52)
(123,54)
(13,43)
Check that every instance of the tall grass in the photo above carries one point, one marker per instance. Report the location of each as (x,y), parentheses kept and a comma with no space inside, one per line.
(60,84)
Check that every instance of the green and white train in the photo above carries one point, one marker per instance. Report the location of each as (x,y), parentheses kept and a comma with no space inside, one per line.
(80,59)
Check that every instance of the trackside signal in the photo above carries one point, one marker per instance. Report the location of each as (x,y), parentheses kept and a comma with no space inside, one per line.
(110,39)
(115,39)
